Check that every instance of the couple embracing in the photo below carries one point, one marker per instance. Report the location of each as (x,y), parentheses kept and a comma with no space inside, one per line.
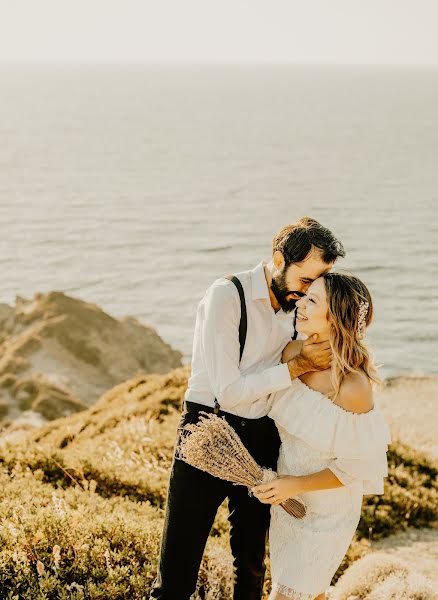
(298,391)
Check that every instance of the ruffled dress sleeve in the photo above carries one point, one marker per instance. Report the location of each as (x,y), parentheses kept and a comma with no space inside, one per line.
(357,442)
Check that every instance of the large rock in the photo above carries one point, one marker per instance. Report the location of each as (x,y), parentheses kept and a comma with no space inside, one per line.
(58,354)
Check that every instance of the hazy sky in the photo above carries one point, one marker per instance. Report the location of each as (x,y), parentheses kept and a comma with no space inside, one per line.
(321,31)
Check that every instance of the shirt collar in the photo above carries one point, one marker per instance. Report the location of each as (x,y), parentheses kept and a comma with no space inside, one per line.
(259,285)
(259,290)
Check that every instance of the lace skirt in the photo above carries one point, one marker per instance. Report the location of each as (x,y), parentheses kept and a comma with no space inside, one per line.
(306,553)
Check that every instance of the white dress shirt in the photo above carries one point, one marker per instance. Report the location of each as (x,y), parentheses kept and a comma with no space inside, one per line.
(240,389)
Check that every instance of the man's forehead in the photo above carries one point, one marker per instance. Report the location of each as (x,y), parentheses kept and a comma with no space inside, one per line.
(313,267)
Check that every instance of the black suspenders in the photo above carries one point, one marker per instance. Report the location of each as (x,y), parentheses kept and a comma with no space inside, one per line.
(243,325)
(294,337)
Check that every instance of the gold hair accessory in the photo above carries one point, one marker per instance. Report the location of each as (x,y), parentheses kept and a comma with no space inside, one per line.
(362,322)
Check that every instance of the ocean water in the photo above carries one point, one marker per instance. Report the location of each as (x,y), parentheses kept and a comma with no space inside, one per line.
(134,187)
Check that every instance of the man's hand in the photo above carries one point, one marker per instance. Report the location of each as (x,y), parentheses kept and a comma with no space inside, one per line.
(314,356)
(291,350)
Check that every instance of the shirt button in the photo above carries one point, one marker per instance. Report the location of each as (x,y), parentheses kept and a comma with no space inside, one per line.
(243,423)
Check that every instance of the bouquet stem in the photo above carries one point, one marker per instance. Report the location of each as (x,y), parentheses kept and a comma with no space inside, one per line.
(212,445)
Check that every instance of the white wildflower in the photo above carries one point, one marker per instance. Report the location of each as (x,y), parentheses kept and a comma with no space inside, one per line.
(75,586)
(56,555)
(13,531)
(107,561)
(59,505)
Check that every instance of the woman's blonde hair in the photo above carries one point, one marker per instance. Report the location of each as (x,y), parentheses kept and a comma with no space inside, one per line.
(347,298)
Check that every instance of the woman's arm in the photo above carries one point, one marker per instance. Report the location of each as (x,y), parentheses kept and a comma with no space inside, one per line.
(356,397)
(288,486)
(323,480)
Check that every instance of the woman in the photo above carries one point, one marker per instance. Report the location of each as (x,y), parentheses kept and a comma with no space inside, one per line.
(334,442)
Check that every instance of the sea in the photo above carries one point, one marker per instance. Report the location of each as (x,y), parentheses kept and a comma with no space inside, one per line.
(134,186)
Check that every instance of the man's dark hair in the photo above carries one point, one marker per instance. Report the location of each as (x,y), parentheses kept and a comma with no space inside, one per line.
(297,240)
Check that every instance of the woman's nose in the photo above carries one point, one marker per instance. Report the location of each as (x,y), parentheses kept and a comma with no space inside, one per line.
(300,302)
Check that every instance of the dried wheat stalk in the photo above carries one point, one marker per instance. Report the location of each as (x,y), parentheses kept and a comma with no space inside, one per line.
(212,445)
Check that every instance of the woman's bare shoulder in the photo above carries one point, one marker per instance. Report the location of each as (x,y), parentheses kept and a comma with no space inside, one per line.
(356,393)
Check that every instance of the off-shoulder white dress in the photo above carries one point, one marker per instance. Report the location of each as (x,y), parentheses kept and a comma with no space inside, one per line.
(316,434)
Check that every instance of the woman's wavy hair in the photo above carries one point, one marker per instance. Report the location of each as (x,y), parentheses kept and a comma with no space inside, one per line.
(345,293)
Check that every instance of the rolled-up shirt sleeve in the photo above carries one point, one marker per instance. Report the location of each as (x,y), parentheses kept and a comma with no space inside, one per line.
(221,352)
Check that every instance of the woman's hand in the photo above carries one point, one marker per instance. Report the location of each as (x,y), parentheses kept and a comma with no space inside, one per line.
(279,490)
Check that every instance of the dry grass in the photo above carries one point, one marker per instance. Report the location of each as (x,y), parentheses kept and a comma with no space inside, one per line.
(82,500)
(379,576)
(410,405)
(417,547)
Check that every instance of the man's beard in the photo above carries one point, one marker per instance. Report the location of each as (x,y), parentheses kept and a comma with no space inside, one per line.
(280,291)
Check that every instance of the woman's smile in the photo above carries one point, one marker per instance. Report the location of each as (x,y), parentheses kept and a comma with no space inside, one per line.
(301,317)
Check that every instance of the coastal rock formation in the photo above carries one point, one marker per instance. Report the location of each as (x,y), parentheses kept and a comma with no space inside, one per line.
(58,354)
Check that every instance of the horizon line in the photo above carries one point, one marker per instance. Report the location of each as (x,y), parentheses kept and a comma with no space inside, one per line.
(211,62)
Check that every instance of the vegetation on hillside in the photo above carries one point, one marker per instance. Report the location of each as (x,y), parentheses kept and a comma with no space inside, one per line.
(82,500)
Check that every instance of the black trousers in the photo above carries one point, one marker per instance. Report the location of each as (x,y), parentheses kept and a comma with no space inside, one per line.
(192,502)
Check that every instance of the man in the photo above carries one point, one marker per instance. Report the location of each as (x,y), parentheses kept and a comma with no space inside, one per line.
(239,391)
